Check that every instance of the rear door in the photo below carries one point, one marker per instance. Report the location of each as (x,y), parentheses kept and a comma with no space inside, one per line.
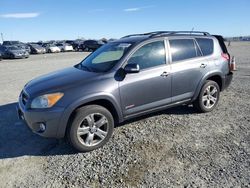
(187,67)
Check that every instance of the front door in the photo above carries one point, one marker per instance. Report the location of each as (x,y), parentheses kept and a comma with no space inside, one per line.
(151,87)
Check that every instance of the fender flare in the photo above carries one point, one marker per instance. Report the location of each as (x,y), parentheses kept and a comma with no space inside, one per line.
(80,102)
(202,81)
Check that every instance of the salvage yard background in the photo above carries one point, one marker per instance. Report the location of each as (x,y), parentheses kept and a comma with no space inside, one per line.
(175,147)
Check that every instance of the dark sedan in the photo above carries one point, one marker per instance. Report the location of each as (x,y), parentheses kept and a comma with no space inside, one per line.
(91,45)
(13,52)
(36,49)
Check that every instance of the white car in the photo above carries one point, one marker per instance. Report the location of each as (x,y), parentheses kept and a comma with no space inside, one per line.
(51,48)
(64,47)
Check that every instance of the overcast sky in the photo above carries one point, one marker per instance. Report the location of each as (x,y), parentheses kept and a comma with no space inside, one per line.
(33,20)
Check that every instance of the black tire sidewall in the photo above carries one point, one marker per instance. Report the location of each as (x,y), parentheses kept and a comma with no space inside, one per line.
(200,104)
(80,114)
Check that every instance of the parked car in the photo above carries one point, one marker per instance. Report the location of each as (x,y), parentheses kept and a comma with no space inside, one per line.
(64,47)
(75,43)
(40,43)
(13,52)
(91,45)
(17,44)
(51,48)
(111,40)
(127,78)
(36,49)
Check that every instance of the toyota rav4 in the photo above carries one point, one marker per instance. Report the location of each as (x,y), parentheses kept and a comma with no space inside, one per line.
(123,79)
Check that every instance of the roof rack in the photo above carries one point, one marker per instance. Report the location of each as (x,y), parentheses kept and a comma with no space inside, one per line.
(162,33)
(133,35)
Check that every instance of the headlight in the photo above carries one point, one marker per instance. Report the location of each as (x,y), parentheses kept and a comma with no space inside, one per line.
(46,101)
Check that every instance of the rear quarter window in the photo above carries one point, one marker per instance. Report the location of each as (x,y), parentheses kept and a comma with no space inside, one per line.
(206,45)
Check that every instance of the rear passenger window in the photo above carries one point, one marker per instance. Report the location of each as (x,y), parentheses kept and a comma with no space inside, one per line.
(206,45)
(182,49)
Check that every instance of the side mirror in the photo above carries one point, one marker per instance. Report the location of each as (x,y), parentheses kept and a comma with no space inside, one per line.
(132,68)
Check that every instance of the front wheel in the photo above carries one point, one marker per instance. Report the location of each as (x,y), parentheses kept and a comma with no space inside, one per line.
(208,97)
(91,128)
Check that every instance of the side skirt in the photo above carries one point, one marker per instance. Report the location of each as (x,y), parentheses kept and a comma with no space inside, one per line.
(157,109)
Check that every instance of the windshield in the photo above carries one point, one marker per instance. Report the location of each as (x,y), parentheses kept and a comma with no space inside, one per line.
(105,57)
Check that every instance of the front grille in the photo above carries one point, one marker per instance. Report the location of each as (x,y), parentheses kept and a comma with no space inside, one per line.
(24,98)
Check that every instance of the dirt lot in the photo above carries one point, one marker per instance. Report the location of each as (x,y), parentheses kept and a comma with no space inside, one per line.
(174,148)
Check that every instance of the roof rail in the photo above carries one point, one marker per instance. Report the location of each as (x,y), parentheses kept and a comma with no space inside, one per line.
(161,33)
(132,35)
(144,34)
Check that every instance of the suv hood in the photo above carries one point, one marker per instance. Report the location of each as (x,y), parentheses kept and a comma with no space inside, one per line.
(58,81)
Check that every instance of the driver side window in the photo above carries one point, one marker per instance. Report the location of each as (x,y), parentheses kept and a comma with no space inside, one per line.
(149,55)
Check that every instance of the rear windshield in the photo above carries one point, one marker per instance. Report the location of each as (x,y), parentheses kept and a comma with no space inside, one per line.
(206,45)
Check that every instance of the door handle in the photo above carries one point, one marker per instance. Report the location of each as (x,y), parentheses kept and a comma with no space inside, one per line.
(164,74)
(203,65)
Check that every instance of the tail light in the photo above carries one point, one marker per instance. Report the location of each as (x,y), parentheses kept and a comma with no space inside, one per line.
(226,56)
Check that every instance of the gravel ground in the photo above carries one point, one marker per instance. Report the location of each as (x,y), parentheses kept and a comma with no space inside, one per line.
(173,148)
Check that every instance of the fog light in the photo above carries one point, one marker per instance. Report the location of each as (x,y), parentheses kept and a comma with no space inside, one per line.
(42,127)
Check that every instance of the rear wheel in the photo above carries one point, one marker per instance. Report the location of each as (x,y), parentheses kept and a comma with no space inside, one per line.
(91,128)
(208,97)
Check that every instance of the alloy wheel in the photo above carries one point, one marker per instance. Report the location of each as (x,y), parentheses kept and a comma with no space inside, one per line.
(210,96)
(93,129)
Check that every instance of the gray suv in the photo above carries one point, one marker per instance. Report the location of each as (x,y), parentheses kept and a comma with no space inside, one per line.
(126,78)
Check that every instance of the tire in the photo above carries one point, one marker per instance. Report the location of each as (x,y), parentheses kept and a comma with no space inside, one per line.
(12,56)
(208,97)
(93,133)
(86,49)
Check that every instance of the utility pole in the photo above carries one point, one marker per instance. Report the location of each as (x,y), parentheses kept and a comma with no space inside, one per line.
(2,36)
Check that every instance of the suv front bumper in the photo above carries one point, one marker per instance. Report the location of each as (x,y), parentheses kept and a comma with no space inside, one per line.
(50,118)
